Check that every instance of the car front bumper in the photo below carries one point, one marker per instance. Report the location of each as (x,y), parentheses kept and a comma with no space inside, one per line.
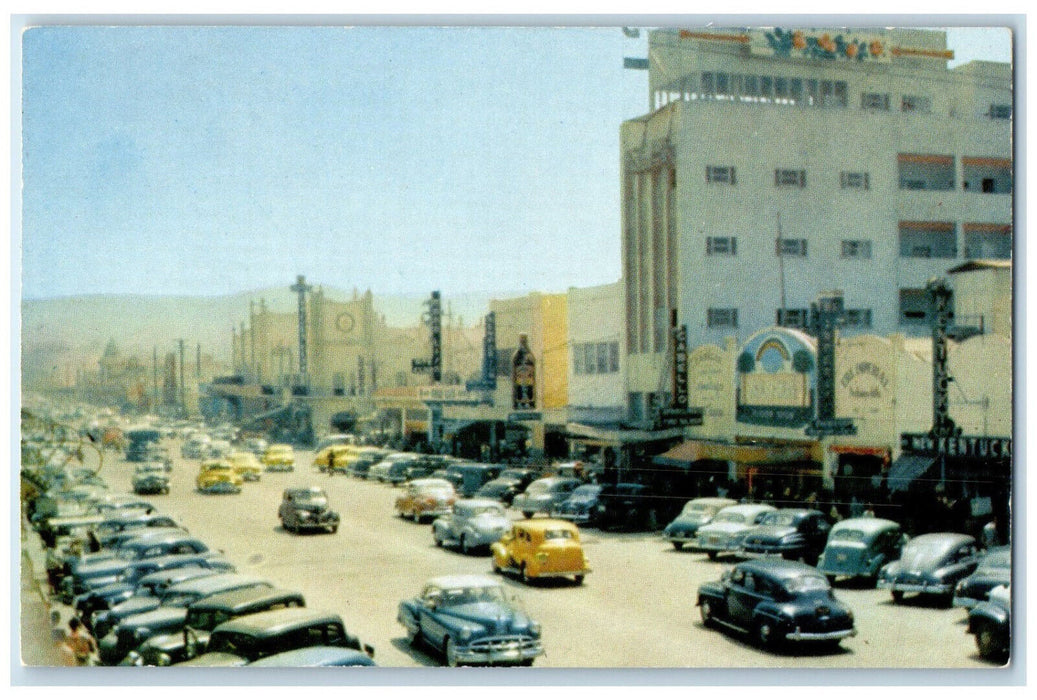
(500,651)
(939,588)
(798,635)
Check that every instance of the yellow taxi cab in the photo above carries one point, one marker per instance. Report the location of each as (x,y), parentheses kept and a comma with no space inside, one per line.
(335,458)
(279,458)
(246,465)
(541,548)
(218,476)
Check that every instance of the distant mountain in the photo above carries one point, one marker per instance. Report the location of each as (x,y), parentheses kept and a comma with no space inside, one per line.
(139,323)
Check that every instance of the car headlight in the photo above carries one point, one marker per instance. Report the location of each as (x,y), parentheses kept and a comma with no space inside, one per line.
(134,659)
(534,628)
(164,660)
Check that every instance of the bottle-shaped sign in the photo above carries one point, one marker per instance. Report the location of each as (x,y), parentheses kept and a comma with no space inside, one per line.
(523,376)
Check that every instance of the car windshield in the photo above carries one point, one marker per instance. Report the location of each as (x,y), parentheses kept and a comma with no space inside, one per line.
(847,535)
(729,517)
(700,509)
(586,491)
(559,534)
(807,584)
(486,510)
(309,494)
(472,594)
(779,519)
(233,643)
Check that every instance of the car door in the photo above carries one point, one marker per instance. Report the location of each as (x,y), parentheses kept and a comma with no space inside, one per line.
(741,598)
(429,618)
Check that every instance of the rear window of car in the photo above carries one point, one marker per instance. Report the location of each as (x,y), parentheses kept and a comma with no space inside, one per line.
(730,518)
(560,534)
(847,535)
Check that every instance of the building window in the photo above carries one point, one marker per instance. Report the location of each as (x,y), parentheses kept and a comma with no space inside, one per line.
(915,103)
(875,100)
(914,307)
(791,247)
(988,241)
(722,318)
(721,174)
(925,171)
(928,239)
(790,178)
(792,318)
(1000,111)
(986,175)
(596,358)
(721,245)
(860,250)
(854,181)
(857,318)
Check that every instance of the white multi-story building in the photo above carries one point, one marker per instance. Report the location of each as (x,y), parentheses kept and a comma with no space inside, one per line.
(779,163)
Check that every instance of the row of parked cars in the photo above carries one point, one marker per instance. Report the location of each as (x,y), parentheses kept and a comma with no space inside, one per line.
(153,594)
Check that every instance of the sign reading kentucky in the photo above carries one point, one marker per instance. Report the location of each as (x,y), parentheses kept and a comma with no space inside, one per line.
(956,446)
(776,379)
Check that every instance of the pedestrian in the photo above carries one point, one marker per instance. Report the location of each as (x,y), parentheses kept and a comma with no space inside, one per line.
(331,463)
(990,538)
(869,512)
(834,515)
(80,645)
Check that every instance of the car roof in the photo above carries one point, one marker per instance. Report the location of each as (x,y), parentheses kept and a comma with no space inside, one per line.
(778,568)
(166,613)
(214,583)
(714,501)
(799,511)
(541,524)
(942,539)
(179,574)
(462,581)
(428,483)
(316,656)
(477,503)
(866,525)
(245,598)
(273,622)
(747,508)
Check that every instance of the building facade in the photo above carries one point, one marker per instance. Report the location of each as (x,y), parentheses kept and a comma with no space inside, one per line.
(776,164)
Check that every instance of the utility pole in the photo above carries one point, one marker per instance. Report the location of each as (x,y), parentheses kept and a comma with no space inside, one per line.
(183,389)
(300,287)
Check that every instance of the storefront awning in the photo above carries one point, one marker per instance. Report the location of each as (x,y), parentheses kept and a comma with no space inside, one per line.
(906,469)
(615,435)
(697,450)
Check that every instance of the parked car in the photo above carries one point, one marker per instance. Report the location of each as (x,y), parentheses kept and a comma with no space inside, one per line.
(544,494)
(473,523)
(307,509)
(626,506)
(420,467)
(725,532)
(203,616)
(131,632)
(468,478)
(380,471)
(310,657)
(776,601)
(425,498)
(247,639)
(219,448)
(696,513)
(791,533)
(245,465)
(218,476)
(541,548)
(469,620)
(257,446)
(995,569)
(860,547)
(991,623)
(137,522)
(279,458)
(581,507)
(150,479)
(503,489)
(159,543)
(366,458)
(931,564)
(196,447)
(334,459)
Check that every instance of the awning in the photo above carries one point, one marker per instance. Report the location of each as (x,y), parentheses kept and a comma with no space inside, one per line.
(614,435)
(697,450)
(906,469)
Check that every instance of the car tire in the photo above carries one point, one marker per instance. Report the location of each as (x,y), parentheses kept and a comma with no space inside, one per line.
(897,596)
(527,514)
(463,544)
(415,517)
(435,539)
(523,574)
(706,612)
(678,545)
(333,529)
(578,578)
(712,556)
(988,644)
(450,653)
(414,637)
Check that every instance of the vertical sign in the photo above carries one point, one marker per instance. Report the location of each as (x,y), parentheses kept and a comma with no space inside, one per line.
(436,336)
(489,351)
(523,376)
(361,375)
(680,367)
(940,300)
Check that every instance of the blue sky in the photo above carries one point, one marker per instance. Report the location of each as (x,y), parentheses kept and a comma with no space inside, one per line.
(187,160)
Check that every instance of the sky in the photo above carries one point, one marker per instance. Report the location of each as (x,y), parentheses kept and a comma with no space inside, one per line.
(214,160)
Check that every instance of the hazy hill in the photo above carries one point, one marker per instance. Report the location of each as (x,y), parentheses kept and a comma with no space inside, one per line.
(139,323)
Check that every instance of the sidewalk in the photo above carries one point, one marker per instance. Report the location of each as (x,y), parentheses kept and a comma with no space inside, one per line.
(38,635)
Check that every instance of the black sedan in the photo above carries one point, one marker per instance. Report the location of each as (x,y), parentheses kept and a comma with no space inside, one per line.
(931,565)
(995,569)
(776,601)
(991,624)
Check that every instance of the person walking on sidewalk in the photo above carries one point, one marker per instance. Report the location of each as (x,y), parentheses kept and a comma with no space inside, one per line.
(80,646)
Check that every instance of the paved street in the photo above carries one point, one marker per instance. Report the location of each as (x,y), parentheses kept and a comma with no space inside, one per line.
(636,609)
